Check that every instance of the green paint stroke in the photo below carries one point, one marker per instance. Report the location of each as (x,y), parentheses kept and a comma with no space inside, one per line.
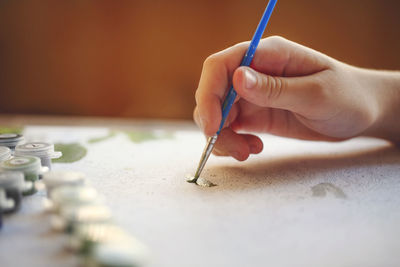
(102,138)
(70,152)
(141,136)
(7,129)
(321,190)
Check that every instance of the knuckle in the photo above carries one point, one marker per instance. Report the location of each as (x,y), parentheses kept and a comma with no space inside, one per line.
(272,87)
(275,39)
(211,60)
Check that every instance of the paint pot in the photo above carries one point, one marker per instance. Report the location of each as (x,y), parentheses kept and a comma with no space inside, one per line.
(73,196)
(87,236)
(6,204)
(44,151)
(54,179)
(5,153)
(72,216)
(10,140)
(14,185)
(115,254)
(30,166)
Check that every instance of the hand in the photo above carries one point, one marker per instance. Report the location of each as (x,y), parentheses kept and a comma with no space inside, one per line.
(290,90)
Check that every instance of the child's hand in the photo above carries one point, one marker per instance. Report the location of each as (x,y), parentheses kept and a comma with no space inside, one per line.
(290,90)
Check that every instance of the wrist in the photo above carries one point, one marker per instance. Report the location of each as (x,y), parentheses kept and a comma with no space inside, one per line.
(384,87)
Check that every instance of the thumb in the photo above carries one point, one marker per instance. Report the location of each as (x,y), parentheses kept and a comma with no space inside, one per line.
(291,93)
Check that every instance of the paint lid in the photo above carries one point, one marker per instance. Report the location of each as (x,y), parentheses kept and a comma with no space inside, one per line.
(5,153)
(54,179)
(127,254)
(25,164)
(10,179)
(74,195)
(10,139)
(38,149)
(92,213)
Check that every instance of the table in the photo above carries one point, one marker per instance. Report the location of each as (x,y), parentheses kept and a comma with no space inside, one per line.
(298,203)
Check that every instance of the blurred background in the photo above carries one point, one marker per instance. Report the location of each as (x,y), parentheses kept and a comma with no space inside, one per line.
(142,59)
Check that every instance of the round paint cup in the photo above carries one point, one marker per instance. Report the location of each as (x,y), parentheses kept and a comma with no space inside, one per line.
(55,179)
(73,196)
(116,254)
(10,140)
(6,204)
(30,166)
(88,235)
(14,185)
(44,151)
(5,153)
(71,216)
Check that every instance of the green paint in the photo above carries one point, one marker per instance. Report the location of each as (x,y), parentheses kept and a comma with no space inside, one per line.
(7,130)
(143,136)
(70,152)
(199,181)
(320,190)
(102,138)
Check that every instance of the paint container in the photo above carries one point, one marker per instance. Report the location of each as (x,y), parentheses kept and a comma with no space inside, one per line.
(6,204)
(54,179)
(73,196)
(87,236)
(14,185)
(44,151)
(70,217)
(5,153)
(10,140)
(116,254)
(30,166)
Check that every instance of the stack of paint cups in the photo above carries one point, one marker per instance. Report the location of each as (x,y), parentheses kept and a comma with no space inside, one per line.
(5,153)
(10,140)
(29,166)
(80,211)
(44,151)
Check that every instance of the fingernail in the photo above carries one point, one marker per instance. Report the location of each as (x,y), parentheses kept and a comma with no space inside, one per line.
(251,79)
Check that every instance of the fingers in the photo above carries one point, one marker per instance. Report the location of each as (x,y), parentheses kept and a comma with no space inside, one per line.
(214,82)
(239,146)
(297,94)
(277,56)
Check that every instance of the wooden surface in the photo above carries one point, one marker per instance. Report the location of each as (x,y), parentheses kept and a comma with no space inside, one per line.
(143,59)
(296,204)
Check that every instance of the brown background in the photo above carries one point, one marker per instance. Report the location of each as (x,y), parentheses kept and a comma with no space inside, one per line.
(143,59)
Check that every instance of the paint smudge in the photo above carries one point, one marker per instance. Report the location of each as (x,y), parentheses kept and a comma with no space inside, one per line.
(70,152)
(321,190)
(143,136)
(102,138)
(200,181)
(7,130)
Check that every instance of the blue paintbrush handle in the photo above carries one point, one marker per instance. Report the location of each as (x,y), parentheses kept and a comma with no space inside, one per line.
(230,97)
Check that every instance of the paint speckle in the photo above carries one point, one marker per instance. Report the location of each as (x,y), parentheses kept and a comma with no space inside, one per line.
(7,130)
(200,181)
(321,190)
(143,136)
(102,138)
(70,152)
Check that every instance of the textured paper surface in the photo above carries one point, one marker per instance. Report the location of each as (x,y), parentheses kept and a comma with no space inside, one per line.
(279,208)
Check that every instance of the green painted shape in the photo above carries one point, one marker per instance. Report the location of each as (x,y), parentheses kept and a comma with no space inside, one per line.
(101,138)
(142,136)
(70,152)
(7,129)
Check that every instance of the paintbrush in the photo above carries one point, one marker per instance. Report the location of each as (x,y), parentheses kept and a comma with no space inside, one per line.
(230,97)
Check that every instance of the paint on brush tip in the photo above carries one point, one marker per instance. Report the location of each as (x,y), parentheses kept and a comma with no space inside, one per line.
(200,181)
